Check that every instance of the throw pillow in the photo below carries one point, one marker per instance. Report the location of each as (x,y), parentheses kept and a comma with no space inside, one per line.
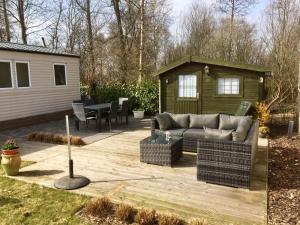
(229,122)
(218,134)
(242,130)
(179,120)
(164,121)
(207,120)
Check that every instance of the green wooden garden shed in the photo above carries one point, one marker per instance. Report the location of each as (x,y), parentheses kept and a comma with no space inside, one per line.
(199,85)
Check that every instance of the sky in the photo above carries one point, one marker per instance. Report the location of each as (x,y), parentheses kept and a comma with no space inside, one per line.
(179,7)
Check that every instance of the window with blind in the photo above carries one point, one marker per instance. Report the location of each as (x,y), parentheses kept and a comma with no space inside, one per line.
(187,86)
(228,86)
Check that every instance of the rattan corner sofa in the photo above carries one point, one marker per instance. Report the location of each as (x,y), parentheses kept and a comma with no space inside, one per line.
(224,156)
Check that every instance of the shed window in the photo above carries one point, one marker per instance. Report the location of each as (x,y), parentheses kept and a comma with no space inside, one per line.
(5,74)
(60,74)
(22,70)
(228,86)
(187,87)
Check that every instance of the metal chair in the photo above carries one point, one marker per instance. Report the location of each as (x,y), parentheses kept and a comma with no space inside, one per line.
(82,116)
(123,111)
(121,100)
(112,113)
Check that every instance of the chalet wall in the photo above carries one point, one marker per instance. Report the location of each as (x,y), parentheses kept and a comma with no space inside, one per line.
(209,101)
(43,96)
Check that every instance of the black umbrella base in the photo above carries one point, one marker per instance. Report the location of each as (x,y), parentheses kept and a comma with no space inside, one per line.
(68,183)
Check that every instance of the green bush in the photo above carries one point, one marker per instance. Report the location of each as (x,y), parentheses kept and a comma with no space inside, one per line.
(144,96)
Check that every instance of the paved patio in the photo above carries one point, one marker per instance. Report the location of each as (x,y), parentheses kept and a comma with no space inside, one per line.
(113,166)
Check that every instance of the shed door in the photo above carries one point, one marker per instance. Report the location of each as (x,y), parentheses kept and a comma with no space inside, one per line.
(188,93)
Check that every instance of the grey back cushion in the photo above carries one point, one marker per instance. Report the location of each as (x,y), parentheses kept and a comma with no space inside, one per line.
(242,130)
(218,134)
(229,122)
(164,121)
(179,120)
(204,120)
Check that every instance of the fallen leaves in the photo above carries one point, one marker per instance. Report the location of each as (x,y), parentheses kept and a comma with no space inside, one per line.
(284,181)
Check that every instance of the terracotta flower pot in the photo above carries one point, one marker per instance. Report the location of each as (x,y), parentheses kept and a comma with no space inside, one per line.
(10,152)
(11,162)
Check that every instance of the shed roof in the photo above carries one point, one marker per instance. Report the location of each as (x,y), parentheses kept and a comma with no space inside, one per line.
(33,49)
(197,59)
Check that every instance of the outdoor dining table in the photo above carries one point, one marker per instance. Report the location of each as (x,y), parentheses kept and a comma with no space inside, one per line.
(98,108)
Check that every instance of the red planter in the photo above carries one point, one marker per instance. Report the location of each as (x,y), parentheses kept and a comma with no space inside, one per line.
(11,152)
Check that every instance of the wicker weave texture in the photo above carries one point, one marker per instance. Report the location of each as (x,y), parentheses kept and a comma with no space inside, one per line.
(160,154)
(224,162)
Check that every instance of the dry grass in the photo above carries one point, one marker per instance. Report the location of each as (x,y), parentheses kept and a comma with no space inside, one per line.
(55,138)
(164,219)
(146,217)
(196,221)
(100,207)
(125,213)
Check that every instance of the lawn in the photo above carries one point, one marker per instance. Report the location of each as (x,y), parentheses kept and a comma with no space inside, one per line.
(24,203)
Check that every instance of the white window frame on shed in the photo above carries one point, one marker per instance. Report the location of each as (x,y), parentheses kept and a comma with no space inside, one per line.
(227,86)
(29,74)
(11,75)
(187,86)
(66,74)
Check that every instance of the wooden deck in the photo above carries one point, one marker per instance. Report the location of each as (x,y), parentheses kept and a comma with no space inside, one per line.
(113,166)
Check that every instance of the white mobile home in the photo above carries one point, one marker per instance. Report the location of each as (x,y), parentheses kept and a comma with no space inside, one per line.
(36,84)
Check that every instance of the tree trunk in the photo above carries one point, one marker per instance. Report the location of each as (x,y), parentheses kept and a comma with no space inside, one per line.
(22,21)
(123,60)
(141,41)
(90,36)
(231,31)
(6,20)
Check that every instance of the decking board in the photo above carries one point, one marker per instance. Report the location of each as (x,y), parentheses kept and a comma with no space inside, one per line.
(113,166)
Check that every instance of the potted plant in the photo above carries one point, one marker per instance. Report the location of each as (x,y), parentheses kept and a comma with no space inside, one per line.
(11,159)
(138,113)
(263,131)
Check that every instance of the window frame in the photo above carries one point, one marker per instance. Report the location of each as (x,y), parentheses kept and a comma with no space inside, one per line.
(178,87)
(241,86)
(11,74)
(16,73)
(66,75)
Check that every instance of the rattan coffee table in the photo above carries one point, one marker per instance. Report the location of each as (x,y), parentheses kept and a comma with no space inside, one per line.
(156,150)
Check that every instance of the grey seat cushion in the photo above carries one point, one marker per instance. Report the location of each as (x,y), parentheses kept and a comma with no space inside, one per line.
(229,122)
(204,120)
(242,130)
(218,134)
(164,121)
(173,132)
(194,133)
(179,120)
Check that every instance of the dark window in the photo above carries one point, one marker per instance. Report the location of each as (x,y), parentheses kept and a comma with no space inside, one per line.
(60,74)
(23,74)
(5,75)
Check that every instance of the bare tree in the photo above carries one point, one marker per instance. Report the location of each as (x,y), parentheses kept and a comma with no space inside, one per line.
(86,8)
(54,28)
(233,8)
(282,40)
(4,14)
(121,36)
(142,4)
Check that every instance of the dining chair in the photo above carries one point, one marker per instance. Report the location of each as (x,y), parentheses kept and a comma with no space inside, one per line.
(121,100)
(112,113)
(82,116)
(123,111)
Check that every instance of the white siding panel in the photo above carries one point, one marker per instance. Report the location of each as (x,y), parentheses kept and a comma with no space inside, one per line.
(43,96)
